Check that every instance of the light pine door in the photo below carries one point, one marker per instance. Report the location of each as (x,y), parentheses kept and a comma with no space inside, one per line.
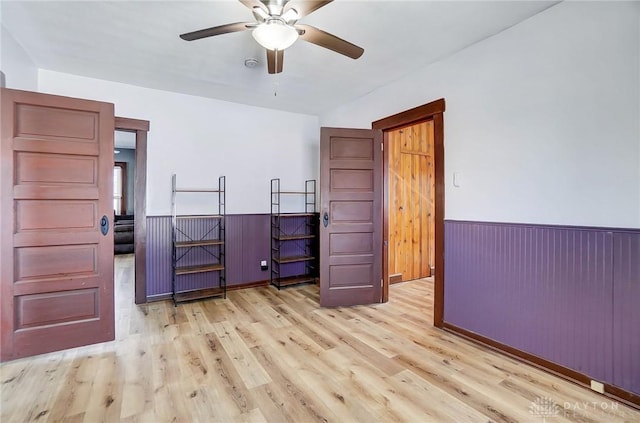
(57,187)
(411,202)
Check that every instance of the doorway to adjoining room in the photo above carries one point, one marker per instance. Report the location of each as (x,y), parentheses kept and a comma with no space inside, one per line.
(411,202)
(124,169)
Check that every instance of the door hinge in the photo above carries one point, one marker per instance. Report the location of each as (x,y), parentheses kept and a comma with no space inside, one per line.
(381,146)
(381,283)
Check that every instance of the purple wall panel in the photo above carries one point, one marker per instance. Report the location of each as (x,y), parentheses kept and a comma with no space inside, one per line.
(158,255)
(256,247)
(234,249)
(543,290)
(197,230)
(626,318)
(290,226)
(247,242)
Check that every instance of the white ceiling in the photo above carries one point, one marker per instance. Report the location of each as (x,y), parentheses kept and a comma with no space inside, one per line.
(136,42)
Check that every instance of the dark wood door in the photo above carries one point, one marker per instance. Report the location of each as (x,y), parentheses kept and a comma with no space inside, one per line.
(350,217)
(56,185)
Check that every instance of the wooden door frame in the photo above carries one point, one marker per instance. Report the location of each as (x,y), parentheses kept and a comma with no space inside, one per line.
(140,128)
(430,111)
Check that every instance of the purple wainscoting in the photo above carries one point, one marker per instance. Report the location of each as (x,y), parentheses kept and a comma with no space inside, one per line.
(233,227)
(549,291)
(256,246)
(247,243)
(626,305)
(290,226)
(196,230)
(158,256)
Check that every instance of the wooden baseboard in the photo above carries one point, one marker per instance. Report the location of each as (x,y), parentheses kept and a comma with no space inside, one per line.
(258,284)
(159,297)
(395,278)
(629,398)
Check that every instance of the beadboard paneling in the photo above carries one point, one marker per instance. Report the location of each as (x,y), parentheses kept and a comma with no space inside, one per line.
(197,230)
(544,290)
(234,245)
(255,247)
(626,306)
(158,255)
(247,242)
(290,226)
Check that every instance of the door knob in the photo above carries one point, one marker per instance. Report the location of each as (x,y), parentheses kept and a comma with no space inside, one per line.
(325,219)
(104,225)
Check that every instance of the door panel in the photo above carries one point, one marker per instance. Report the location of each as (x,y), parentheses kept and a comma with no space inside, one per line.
(35,215)
(351,180)
(38,168)
(344,276)
(352,148)
(53,308)
(351,197)
(351,243)
(43,122)
(49,262)
(352,211)
(56,184)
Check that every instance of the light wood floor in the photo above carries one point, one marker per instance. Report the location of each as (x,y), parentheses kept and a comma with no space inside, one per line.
(263,355)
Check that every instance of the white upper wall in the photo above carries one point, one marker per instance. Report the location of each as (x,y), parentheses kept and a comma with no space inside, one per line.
(201,139)
(19,70)
(542,120)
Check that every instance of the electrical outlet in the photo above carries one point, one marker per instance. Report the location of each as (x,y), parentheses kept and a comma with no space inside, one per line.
(597,386)
(263,265)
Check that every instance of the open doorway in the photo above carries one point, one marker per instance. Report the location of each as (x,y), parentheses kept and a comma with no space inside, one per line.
(124,170)
(138,129)
(431,112)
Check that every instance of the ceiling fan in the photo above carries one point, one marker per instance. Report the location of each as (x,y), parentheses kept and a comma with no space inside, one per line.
(276,29)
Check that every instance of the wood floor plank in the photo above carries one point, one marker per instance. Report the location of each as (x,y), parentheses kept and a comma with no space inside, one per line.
(224,376)
(253,416)
(337,394)
(196,314)
(245,363)
(264,355)
(320,336)
(355,347)
(444,407)
(105,397)
(288,392)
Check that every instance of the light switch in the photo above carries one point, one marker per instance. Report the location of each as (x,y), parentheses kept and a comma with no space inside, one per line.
(457,179)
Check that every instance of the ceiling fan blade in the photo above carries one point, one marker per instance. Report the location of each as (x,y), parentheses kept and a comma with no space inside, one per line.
(274,60)
(326,40)
(216,30)
(305,7)
(250,4)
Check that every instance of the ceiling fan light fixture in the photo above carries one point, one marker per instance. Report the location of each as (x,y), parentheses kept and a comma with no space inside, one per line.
(275,34)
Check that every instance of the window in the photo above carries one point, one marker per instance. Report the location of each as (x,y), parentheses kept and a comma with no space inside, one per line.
(120,188)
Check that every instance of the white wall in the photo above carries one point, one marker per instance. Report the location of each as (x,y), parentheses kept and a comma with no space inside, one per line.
(200,139)
(542,120)
(19,70)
